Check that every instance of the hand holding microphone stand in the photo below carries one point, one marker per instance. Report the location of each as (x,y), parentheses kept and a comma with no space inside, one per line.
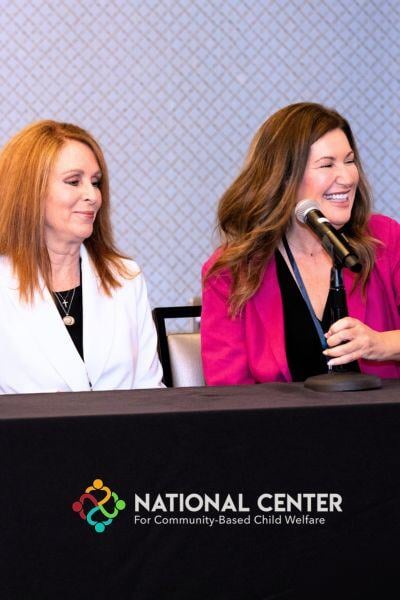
(339,378)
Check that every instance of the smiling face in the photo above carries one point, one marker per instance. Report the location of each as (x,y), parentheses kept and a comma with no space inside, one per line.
(73,196)
(331,177)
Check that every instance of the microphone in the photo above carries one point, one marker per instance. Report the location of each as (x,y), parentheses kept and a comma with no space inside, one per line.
(308,212)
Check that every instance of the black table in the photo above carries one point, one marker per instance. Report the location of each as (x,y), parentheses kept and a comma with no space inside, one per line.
(250,440)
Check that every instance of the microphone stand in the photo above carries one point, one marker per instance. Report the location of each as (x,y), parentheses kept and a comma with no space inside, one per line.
(340,378)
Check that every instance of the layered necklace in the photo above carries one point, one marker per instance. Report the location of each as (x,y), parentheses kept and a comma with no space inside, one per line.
(65,301)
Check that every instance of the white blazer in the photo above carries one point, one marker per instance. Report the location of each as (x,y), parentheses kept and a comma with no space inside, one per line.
(119,338)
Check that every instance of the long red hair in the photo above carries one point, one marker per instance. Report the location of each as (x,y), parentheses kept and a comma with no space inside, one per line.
(25,164)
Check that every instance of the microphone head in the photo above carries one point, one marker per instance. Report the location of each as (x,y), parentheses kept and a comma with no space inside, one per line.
(304,207)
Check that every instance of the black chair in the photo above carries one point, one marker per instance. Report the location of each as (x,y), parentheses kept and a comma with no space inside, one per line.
(179,352)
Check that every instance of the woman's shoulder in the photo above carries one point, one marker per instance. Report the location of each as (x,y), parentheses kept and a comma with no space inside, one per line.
(210,262)
(384,228)
(387,232)
(121,267)
(131,282)
(131,267)
(4,261)
(220,278)
(6,269)
(129,276)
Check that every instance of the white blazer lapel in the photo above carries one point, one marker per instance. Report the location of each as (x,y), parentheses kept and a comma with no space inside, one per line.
(43,322)
(98,320)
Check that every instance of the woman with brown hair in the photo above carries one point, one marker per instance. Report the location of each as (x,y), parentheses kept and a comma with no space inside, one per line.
(266,303)
(74,311)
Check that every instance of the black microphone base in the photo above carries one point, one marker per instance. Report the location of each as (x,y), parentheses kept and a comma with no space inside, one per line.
(342,382)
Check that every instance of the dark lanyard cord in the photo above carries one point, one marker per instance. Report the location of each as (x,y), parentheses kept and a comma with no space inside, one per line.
(303,291)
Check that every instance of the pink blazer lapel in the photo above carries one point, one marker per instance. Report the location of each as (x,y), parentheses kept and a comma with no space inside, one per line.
(268,307)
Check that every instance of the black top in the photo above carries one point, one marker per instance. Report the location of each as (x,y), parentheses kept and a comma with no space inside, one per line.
(75,330)
(303,348)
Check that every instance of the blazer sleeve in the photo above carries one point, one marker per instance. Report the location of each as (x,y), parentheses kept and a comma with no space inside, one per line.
(223,340)
(387,231)
(148,373)
(396,261)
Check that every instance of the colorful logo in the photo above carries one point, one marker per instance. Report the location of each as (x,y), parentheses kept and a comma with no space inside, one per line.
(98,506)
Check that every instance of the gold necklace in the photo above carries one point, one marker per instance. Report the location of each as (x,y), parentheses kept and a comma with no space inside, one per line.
(66,307)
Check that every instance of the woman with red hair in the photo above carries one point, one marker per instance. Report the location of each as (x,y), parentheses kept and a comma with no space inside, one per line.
(74,310)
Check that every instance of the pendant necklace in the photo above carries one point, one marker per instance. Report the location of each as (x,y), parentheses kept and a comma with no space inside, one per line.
(66,306)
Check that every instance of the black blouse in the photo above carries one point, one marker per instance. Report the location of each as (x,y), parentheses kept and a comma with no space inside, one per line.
(75,330)
(303,348)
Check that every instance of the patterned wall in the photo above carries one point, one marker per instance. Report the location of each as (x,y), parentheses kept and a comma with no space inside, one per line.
(175,89)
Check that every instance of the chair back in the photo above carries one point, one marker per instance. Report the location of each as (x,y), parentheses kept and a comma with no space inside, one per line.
(185,359)
(179,353)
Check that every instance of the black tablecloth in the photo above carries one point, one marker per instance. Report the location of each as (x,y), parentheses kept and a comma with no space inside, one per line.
(250,440)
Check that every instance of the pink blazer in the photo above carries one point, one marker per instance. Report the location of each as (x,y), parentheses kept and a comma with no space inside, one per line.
(251,348)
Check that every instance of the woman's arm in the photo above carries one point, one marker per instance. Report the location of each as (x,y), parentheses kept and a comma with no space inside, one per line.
(356,340)
(223,342)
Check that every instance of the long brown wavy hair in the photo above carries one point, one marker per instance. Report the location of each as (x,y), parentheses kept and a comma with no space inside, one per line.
(256,210)
(25,164)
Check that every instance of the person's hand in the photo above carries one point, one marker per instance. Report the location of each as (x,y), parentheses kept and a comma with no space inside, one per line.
(349,339)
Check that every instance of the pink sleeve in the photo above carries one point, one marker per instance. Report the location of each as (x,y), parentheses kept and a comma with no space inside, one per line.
(387,230)
(396,263)
(223,342)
